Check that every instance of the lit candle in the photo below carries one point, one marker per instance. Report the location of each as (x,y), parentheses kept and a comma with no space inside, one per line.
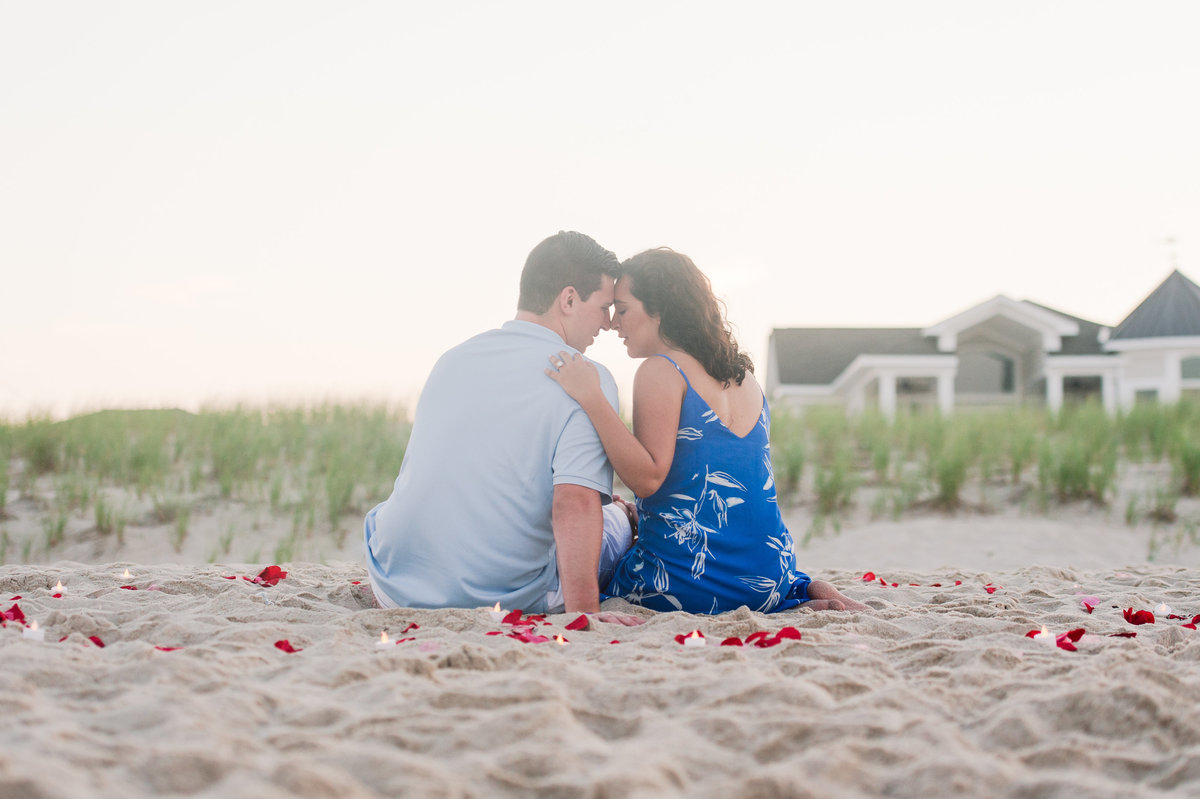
(126,575)
(1163,609)
(1044,637)
(561,641)
(495,612)
(59,588)
(695,639)
(383,641)
(33,633)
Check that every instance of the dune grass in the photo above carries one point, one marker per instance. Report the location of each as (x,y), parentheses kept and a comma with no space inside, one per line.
(924,459)
(321,466)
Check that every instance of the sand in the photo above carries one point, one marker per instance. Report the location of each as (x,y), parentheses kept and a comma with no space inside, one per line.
(935,692)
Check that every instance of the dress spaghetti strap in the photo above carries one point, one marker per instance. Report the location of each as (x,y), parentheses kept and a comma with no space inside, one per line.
(677,369)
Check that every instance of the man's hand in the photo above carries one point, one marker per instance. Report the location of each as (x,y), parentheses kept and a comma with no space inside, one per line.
(624,619)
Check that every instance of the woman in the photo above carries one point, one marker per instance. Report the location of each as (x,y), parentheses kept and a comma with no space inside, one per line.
(710,534)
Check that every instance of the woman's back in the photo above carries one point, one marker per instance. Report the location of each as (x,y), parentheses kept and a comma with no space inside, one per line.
(711,538)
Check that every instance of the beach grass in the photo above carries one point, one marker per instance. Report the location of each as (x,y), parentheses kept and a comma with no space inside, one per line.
(318,468)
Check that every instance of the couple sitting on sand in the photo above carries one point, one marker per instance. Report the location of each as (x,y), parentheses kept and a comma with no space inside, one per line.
(505,492)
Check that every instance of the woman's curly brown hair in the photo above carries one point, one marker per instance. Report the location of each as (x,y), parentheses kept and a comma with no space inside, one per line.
(690,316)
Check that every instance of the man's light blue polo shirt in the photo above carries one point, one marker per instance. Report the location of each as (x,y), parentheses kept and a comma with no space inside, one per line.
(468,520)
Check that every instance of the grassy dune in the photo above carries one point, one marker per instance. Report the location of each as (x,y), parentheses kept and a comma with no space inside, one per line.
(318,468)
(306,475)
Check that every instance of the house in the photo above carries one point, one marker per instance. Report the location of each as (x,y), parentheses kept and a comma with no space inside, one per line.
(1000,352)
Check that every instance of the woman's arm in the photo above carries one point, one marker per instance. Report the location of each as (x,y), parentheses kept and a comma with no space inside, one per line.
(641,458)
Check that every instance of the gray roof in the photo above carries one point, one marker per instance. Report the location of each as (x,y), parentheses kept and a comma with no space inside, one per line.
(816,356)
(1088,340)
(1172,309)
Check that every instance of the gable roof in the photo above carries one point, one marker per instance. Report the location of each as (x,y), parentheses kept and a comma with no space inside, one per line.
(1086,343)
(816,355)
(1172,309)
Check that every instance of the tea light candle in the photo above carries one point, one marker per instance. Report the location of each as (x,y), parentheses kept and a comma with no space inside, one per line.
(383,641)
(59,588)
(1044,637)
(1163,609)
(126,575)
(33,633)
(695,639)
(495,612)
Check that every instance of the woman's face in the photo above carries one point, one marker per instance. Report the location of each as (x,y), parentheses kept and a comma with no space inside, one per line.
(638,329)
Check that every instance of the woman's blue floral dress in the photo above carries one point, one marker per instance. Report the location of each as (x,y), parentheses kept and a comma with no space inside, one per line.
(712,539)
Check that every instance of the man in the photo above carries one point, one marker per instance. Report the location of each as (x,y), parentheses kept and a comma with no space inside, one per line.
(500,493)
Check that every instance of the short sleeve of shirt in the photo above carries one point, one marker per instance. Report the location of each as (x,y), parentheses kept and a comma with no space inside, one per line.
(579,458)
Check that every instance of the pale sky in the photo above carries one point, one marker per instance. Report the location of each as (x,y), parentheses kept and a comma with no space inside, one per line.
(294,201)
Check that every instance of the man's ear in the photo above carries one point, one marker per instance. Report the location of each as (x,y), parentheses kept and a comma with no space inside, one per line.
(567,298)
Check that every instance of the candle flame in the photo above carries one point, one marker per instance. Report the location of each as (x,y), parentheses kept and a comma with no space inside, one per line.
(696,634)
(383,639)
(496,607)
(33,625)
(560,640)
(58,586)
(126,575)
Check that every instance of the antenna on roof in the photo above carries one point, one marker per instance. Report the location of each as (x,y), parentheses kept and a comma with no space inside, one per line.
(1172,251)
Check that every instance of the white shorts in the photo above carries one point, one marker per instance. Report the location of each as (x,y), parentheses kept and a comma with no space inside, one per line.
(617,538)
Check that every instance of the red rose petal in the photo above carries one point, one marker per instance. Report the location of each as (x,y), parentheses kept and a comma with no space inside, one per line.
(168,648)
(614,641)
(789,633)
(958,582)
(286,646)
(869,577)
(95,639)
(494,632)
(412,626)
(936,585)
(129,587)
(1140,617)
(732,641)
(57,596)
(754,637)
(991,589)
(13,614)
(402,640)
(1122,635)
(230,577)
(14,599)
(580,623)
(270,576)
(513,617)
(356,582)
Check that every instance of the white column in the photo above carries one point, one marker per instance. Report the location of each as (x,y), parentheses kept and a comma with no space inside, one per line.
(887,394)
(1172,388)
(1108,394)
(945,392)
(1054,389)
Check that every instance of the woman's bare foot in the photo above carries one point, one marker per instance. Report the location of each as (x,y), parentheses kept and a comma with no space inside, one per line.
(823,596)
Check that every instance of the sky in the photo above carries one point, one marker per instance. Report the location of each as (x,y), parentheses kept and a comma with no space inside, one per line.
(289,202)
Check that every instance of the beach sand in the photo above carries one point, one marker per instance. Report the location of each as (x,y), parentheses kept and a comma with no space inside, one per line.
(935,692)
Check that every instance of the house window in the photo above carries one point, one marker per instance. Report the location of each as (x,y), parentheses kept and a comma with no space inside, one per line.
(1081,389)
(1189,369)
(1146,395)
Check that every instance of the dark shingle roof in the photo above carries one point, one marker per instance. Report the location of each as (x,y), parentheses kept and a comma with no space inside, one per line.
(1088,340)
(1172,309)
(816,356)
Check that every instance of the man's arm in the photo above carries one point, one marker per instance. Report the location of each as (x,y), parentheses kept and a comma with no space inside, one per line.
(577,530)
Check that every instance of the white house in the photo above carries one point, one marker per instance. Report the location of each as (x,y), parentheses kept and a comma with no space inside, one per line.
(1000,352)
